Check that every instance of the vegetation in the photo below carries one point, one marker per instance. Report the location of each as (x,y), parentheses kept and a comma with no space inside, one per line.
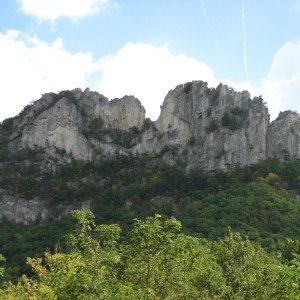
(155,261)
(258,201)
(212,126)
(188,87)
(211,235)
(214,97)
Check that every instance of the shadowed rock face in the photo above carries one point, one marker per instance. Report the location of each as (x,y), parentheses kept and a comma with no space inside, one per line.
(283,139)
(24,211)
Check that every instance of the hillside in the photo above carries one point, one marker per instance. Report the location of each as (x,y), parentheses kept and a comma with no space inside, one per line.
(212,159)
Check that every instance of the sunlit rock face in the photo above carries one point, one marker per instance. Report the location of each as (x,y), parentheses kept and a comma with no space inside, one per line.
(198,127)
(63,122)
(201,127)
(215,128)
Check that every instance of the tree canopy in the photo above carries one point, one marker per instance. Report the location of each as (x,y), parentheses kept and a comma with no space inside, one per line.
(155,261)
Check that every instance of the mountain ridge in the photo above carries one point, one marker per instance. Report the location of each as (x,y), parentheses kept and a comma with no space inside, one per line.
(210,128)
(198,128)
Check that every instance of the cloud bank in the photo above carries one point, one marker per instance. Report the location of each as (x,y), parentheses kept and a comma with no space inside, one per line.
(54,9)
(31,67)
(281,88)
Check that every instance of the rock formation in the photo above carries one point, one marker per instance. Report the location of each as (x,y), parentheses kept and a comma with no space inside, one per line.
(211,128)
(218,127)
(198,127)
(283,139)
(24,211)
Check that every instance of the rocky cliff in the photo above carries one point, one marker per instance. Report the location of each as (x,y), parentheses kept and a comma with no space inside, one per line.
(68,121)
(217,127)
(283,138)
(198,127)
(211,128)
(27,211)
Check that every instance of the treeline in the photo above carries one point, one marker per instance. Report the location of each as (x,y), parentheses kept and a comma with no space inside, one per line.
(155,260)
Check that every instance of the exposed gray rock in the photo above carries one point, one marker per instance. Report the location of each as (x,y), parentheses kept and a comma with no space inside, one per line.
(283,139)
(24,211)
(63,122)
(121,113)
(216,127)
(159,201)
(59,126)
(210,128)
(21,211)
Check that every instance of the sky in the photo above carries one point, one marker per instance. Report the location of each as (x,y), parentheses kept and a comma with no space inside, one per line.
(147,47)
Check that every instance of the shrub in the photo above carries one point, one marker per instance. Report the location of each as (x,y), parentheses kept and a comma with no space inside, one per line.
(232,121)
(212,126)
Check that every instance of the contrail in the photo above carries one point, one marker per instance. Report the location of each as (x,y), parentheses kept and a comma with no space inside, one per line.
(208,22)
(244,37)
(203,10)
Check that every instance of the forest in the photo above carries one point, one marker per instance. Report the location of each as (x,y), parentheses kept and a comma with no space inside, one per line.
(155,260)
(154,231)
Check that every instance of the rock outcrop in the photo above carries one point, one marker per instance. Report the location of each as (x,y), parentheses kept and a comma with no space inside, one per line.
(283,139)
(199,127)
(218,127)
(64,121)
(24,211)
(210,128)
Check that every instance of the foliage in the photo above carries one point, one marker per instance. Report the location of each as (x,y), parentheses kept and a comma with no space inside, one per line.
(215,96)
(212,126)
(231,121)
(147,124)
(2,260)
(7,125)
(251,200)
(125,138)
(155,261)
(188,87)
(94,127)
(250,272)
(264,214)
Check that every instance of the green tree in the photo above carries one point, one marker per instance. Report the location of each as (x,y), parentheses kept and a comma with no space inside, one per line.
(251,273)
(155,261)
(170,265)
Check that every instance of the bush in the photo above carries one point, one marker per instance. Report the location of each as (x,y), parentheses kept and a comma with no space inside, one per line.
(7,125)
(212,126)
(232,121)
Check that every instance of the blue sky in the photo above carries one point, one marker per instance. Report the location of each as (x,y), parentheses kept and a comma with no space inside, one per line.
(145,48)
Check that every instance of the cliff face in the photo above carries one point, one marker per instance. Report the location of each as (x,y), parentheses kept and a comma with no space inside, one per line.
(65,122)
(218,127)
(283,139)
(24,211)
(209,128)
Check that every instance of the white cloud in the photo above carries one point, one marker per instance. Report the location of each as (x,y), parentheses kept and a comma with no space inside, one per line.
(149,72)
(31,67)
(281,88)
(54,9)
